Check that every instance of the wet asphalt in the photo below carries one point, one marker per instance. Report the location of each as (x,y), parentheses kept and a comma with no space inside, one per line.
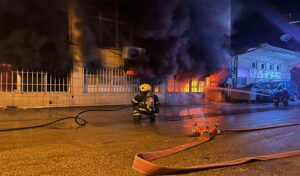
(108,143)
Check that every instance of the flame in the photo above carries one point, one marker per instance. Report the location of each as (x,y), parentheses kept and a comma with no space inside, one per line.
(4,68)
(201,86)
(193,85)
(130,72)
(171,86)
(216,79)
(185,86)
(156,89)
(6,65)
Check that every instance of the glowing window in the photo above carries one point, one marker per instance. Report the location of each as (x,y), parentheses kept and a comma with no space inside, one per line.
(171,85)
(185,86)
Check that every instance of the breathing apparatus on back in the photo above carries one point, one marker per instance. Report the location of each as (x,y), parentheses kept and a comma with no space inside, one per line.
(149,98)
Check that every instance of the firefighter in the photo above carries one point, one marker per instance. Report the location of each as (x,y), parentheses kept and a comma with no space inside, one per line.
(281,96)
(145,102)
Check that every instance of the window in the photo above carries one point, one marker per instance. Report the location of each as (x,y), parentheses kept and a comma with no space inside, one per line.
(242,82)
(253,65)
(184,86)
(278,68)
(194,85)
(262,66)
(197,86)
(124,34)
(112,34)
(171,85)
(271,67)
(108,37)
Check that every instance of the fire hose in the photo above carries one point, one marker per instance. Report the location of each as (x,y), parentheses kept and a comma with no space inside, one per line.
(142,162)
(78,120)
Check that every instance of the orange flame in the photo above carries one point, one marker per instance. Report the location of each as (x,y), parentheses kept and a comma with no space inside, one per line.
(193,85)
(216,79)
(156,89)
(130,72)
(185,86)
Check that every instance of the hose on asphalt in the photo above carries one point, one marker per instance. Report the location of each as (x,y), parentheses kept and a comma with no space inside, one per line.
(142,162)
(78,120)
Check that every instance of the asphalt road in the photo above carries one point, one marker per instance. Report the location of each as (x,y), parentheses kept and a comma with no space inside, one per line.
(108,144)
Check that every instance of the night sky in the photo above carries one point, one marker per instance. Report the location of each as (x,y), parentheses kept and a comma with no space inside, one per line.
(264,22)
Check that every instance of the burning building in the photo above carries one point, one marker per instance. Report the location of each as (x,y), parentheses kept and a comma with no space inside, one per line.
(183,51)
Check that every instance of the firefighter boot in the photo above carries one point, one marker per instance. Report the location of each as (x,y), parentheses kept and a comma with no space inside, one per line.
(152,117)
(136,115)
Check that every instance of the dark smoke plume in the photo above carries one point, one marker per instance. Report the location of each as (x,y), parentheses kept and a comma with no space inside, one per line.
(34,35)
(182,37)
(86,41)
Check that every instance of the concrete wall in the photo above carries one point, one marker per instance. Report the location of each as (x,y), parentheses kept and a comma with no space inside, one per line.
(46,100)
(185,98)
(110,58)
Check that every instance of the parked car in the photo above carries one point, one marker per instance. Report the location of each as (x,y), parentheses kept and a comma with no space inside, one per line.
(266,91)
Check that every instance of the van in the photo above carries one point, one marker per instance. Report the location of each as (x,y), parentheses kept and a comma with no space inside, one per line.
(267,90)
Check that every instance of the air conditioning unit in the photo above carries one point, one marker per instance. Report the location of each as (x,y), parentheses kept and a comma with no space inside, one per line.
(132,53)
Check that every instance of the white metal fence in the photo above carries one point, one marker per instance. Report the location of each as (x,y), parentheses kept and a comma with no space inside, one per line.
(30,81)
(109,80)
(105,80)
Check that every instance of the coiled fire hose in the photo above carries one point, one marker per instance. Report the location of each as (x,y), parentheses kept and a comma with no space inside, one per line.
(143,165)
(78,120)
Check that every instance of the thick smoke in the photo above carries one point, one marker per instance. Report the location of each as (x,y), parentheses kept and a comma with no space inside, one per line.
(82,35)
(35,34)
(182,37)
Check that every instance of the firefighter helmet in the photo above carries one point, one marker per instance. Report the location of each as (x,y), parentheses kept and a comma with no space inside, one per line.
(145,87)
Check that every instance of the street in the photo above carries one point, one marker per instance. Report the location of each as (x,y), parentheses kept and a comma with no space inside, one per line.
(108,143)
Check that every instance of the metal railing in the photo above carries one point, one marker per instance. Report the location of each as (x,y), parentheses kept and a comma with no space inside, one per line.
(30,81)
(109,80)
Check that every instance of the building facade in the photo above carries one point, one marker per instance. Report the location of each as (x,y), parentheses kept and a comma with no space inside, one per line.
(268,63)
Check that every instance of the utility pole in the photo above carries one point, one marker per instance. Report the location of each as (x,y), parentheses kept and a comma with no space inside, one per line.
(236,65)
